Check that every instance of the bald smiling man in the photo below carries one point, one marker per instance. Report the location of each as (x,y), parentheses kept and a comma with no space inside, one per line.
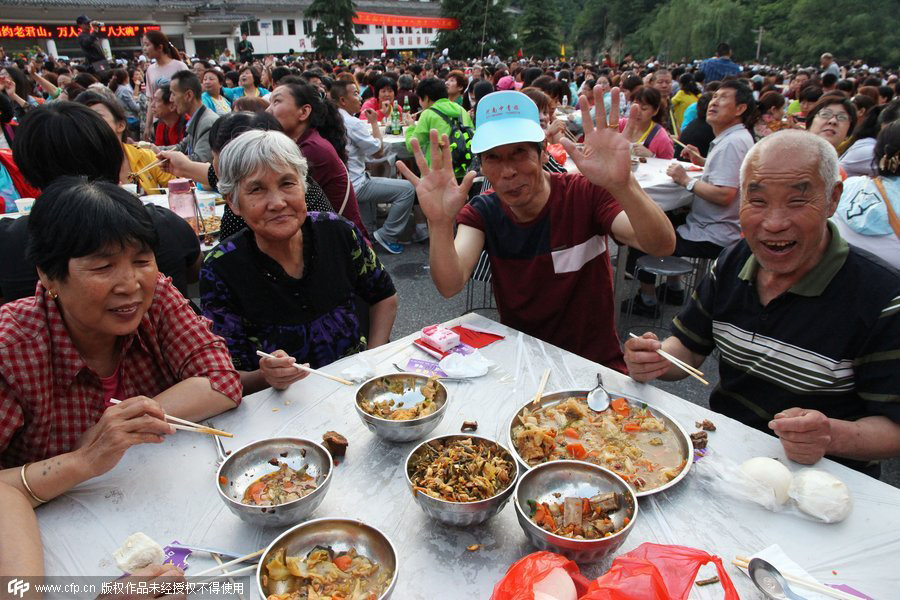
(808,327)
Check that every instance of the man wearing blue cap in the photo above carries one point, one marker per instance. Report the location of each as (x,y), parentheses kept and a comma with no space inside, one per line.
(546,234)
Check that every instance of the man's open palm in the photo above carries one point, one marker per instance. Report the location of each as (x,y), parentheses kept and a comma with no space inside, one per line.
(440,197)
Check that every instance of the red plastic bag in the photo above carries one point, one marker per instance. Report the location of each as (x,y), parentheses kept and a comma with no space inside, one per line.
(557,152)
(656,572)
(524,573)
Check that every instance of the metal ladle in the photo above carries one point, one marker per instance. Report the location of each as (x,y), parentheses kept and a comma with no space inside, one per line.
(598,398)
(770,582)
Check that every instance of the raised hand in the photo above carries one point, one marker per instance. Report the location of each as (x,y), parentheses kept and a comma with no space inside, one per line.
(440,197)
(606,157)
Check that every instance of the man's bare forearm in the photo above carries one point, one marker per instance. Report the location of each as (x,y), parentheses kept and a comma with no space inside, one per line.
(869,438)
(717,194)
(652,229)
(443,259)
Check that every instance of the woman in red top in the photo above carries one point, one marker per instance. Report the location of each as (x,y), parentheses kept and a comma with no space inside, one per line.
(383,100)
(318,129)
(102,324)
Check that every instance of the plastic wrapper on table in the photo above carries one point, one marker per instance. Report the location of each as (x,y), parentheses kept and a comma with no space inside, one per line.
(656,572)
(649,572)
(814,495)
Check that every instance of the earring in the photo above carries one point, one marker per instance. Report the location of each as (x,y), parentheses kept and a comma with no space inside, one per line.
(53,294)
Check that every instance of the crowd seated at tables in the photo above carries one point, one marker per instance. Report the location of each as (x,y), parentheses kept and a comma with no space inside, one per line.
(797,206)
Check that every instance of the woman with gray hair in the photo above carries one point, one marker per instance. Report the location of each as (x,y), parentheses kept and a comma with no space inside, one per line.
(288,283)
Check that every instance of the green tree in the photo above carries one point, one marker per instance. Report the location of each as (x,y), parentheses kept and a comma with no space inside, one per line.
(849,29)
(590,28)
(334,32)
(475,17)
(539,29)
(671,36)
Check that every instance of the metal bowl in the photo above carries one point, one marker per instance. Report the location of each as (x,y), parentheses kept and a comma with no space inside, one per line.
(686,448)
(251,462)
(341,535)
(462,514)
(573,478)
(400,431)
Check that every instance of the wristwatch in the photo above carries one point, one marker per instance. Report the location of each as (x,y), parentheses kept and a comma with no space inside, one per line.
(690,185)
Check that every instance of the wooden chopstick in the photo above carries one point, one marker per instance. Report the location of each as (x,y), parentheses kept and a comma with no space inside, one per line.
(230,579)
(825,590)
(543,384)
(185,425)
(240,571)
(693,372)
(229,563)
(150,166)
(310,370)
(205,430)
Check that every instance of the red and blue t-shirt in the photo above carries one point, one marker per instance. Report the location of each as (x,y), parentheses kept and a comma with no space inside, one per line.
(552,276)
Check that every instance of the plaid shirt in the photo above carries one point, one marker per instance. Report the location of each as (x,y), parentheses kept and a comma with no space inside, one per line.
(48,395)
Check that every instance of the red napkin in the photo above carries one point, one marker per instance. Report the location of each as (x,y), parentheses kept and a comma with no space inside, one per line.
(476,339)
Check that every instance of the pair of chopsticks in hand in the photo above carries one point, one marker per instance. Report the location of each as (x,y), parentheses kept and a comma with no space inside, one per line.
(308,369)
(695,373)
(150,166)
(185,425)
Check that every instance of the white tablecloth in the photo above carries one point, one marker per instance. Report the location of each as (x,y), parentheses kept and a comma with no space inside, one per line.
(652,177)
(168,490)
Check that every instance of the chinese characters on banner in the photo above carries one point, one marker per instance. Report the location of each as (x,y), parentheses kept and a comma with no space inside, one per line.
(29,31)
(24,31)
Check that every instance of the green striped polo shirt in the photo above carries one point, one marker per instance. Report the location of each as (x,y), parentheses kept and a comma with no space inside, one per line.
(830,343)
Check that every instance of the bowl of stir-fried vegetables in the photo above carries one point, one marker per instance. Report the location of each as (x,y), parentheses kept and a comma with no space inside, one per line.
(461,479)
(401,407)
(575,508)
(639,443)
(275,482)
(324,559)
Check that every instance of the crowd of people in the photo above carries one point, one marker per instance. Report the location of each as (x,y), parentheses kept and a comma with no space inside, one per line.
(797,206)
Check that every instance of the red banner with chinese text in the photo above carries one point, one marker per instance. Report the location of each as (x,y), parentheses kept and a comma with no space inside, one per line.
(367,18)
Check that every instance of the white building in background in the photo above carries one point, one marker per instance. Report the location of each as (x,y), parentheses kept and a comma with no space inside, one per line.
(205,29)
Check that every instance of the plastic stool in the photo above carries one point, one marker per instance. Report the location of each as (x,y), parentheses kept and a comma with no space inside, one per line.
(665,266)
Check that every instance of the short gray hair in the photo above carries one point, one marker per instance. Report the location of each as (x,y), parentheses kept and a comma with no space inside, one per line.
(253,150)
(825,155)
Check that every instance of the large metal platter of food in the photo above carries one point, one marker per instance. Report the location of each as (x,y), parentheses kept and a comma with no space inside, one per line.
(640,443)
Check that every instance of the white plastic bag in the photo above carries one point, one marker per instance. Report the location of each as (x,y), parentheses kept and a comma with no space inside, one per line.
(813,494)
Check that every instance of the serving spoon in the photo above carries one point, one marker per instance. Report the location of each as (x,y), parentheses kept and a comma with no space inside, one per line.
(598,398)
(770,581)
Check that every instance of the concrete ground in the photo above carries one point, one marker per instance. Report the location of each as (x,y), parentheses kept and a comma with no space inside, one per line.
(420,304)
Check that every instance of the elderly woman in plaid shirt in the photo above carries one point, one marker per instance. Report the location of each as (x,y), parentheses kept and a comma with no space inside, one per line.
(102,324)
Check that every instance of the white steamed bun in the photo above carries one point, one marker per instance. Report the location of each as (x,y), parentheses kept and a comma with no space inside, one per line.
(771,474)
(137,552)
(821,495)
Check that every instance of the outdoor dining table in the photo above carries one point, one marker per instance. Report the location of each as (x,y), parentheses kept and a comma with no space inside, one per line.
(168,490)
